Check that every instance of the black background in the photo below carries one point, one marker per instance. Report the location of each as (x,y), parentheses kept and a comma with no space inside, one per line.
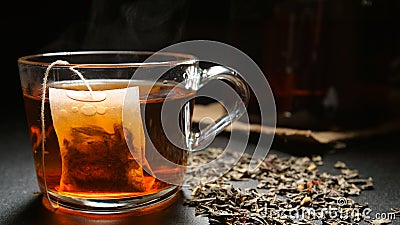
(359,54)
(358,47)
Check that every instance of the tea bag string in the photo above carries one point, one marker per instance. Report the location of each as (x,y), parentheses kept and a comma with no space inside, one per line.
(42,118)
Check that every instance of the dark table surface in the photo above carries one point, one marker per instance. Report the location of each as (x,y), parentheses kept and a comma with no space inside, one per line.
(378,157)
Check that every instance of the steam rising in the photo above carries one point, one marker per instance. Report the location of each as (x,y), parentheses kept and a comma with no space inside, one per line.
(126,25)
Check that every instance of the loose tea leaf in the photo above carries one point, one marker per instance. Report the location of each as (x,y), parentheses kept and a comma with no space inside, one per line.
(379,221)
(289,191)
(396,211)
(340,165)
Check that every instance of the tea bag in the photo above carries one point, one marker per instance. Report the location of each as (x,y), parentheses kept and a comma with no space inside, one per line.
(94,141)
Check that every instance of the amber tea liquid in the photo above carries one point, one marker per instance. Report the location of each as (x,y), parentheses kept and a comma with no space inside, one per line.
(107,169)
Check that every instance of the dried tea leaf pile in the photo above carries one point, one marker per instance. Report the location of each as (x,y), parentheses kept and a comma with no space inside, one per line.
(290,191)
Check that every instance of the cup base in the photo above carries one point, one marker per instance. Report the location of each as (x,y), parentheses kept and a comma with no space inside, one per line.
(136,205)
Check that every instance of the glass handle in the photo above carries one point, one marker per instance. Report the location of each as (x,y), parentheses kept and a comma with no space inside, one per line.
(207,134)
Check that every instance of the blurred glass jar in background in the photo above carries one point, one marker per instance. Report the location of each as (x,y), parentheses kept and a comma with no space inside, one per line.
(333,64)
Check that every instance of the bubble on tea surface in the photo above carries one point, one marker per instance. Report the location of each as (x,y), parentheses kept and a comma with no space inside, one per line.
(74,109)
(63,113)
(93,142)
(88,110)
(102,110)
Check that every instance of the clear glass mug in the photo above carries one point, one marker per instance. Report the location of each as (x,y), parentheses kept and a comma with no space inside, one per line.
(97,127)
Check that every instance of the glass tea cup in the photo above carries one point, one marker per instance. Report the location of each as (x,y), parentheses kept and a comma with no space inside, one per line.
(101,141)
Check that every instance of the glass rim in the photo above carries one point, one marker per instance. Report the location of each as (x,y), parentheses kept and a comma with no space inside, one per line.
(182,58)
